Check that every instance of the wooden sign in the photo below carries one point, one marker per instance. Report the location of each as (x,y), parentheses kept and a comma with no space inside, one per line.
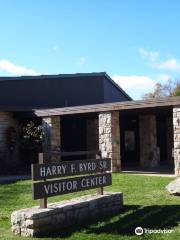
(42,172)
(69,168)
(69,185)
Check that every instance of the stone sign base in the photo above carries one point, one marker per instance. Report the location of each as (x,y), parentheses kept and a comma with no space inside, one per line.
(37,221)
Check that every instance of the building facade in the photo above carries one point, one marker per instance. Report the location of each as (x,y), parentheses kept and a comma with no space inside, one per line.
(136,135)
(83,112)
(19,96)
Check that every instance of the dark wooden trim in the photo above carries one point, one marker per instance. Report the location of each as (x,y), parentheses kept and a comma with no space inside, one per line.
(76,153)
(150,103)
(43,201)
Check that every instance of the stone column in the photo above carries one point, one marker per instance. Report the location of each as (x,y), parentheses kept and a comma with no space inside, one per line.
(55,133)
(92,134)
(176,126)
(109,138)
(52,136)
(149,152)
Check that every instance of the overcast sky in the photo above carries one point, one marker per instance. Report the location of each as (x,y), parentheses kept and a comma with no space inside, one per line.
(136,42)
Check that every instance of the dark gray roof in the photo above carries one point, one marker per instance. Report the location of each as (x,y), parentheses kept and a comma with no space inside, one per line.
(49,91)
(116,85)
(93,74)
(54,76)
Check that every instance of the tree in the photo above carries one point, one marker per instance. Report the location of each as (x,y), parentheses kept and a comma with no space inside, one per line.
(176,90)
(30,133)
(164,90)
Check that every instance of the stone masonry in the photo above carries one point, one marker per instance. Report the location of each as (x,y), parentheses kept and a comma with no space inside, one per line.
(61,216)
(109,138)
(55,133)
(149,152)
(176,126)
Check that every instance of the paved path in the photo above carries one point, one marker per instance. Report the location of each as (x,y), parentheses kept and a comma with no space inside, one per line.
(155,174)
(13,178)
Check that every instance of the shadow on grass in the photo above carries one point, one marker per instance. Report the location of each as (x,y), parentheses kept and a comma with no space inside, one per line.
(10,181)
(131,216)
(13,179)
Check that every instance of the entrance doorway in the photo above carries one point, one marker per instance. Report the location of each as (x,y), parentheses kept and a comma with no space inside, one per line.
(161,139)
(73,135)
(165,142)
(129,141)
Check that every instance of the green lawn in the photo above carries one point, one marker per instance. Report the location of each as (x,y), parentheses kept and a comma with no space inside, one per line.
(147,204)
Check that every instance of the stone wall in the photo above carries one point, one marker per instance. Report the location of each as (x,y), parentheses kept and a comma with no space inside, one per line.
(176,126)
(149,152)
(52,136)
(109,138)
(9,156)
(55,137)
(60,216)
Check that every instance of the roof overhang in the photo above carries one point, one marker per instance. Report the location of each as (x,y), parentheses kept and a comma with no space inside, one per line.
(106,107)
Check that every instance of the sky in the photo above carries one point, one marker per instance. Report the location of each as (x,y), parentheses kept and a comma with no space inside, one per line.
(136,42)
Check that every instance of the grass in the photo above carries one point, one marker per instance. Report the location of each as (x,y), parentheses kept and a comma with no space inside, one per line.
(147,204)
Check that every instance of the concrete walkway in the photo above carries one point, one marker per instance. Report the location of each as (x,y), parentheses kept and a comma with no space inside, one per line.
(13,178)
(155,174)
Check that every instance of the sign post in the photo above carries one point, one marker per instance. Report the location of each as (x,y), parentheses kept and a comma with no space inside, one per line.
(99,190)
(43,201)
